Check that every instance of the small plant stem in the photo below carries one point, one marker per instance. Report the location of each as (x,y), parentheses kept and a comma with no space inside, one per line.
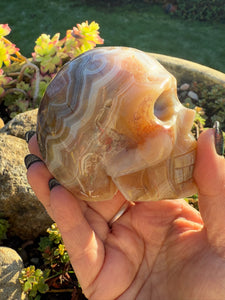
(23,58)
(60,291)
(37,81)
(11,83)
(13,90)
(6,41)
(13,74)
(53,276)
(15,59)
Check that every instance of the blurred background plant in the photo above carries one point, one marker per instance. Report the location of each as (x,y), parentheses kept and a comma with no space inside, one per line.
(212,99)
(23,81)
(142,24)
(55,273)
(4,225)
(202,10)
(209,103)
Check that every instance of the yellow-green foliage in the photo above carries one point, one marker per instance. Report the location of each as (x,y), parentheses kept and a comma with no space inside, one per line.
(4,225)
(23,81)
(56,266)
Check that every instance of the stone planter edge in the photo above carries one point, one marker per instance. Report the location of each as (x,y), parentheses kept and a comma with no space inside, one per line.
(188,71)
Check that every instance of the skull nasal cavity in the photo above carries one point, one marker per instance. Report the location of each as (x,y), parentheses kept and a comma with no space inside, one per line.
(164,107)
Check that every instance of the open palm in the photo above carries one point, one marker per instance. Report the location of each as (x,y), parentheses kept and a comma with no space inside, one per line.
(156,250)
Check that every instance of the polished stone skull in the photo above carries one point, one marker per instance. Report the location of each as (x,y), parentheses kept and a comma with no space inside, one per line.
(110,120)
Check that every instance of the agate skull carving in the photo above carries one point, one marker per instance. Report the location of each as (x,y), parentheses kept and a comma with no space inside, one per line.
(111,120)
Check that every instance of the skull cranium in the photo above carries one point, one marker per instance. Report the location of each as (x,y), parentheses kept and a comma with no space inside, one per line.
(111,119)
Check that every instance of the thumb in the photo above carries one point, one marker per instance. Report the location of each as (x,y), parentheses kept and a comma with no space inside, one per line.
(209,174)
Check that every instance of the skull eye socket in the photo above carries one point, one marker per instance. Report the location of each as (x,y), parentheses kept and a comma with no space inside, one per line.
(164,107)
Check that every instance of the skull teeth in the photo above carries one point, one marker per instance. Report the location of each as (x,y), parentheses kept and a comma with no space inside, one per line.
(183,167)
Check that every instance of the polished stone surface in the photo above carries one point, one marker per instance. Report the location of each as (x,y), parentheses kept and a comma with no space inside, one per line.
(111,120)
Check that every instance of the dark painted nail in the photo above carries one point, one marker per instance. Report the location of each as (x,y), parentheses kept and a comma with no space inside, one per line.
(52,183)
(28,135)
(31,159)
(219,140)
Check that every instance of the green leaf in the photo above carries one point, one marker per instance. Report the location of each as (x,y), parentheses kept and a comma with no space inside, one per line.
(33,292)
(42,286)
(56,252)
(44,243)
(46,273)
(27,286)
(4,225)
(65,258)
(23,86)
(38,273)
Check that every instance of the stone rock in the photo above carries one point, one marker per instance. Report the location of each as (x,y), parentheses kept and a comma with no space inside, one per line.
(22,123)
(18,203)
(184,87)
(10,267)
(193,95)
(1,123)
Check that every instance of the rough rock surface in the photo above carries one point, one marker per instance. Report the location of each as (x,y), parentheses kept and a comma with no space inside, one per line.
(22,123)
(18,203)
(10,266)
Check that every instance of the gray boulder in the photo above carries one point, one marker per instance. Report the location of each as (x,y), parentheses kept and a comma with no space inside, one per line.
(22,123)
(10,267)
(27,217)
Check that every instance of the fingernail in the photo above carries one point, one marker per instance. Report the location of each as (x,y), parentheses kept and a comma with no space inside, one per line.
(31,159)
(28,135)
(52,183)
(219,140)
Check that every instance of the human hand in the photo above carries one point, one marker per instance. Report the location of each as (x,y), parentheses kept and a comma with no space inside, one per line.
(155,250)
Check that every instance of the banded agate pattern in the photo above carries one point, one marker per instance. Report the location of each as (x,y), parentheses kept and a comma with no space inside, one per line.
(111,119)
